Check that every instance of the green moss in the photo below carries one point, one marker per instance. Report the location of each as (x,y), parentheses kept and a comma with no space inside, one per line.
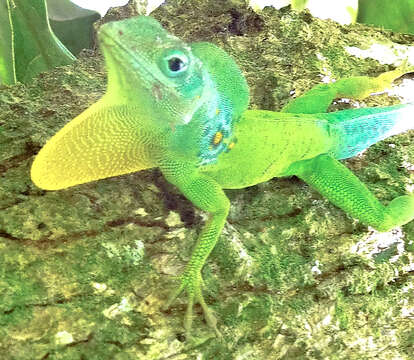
(281,270)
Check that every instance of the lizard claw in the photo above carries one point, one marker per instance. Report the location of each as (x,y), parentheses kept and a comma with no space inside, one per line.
(192,285)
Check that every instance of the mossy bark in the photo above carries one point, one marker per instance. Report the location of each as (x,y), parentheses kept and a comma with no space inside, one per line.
(84,271)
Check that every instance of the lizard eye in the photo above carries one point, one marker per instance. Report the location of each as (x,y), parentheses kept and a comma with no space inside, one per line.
(174,63)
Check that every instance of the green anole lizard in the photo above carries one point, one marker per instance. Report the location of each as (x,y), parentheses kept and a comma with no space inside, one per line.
(183,108)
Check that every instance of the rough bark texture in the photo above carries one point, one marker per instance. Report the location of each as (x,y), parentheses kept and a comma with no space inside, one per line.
(84,271)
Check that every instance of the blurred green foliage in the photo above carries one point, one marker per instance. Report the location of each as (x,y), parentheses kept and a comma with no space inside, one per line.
(395,15)
(7,69)
(299,5)
(72,24)
(28,46)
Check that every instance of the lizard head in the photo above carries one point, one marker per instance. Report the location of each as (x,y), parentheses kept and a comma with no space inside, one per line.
(151,68)
(156,84)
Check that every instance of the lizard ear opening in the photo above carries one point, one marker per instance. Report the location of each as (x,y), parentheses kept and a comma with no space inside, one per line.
(99,143)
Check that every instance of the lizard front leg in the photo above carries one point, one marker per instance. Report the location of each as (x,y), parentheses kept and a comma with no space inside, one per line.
(206,194)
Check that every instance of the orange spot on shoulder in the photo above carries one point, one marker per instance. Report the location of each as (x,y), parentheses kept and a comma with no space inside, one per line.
(217,138)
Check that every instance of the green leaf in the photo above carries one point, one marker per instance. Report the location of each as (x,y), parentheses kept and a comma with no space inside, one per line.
(7,70)
(393,15)
(72,24)
(299,5)
(36,47)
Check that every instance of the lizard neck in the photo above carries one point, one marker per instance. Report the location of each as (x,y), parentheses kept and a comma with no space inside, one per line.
(217,124)
(209,133)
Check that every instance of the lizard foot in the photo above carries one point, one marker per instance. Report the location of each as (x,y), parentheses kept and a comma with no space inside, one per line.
(191,283)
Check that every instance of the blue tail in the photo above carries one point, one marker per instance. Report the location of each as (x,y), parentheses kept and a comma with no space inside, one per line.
(357,129)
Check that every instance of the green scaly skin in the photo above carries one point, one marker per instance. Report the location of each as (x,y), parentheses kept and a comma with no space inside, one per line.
(183,108)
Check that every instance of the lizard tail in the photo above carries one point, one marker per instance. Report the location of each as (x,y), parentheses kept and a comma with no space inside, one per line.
(357,129)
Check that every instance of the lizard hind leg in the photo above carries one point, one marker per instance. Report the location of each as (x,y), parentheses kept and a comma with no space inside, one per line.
(400,211)
(318,99)
(339,185)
